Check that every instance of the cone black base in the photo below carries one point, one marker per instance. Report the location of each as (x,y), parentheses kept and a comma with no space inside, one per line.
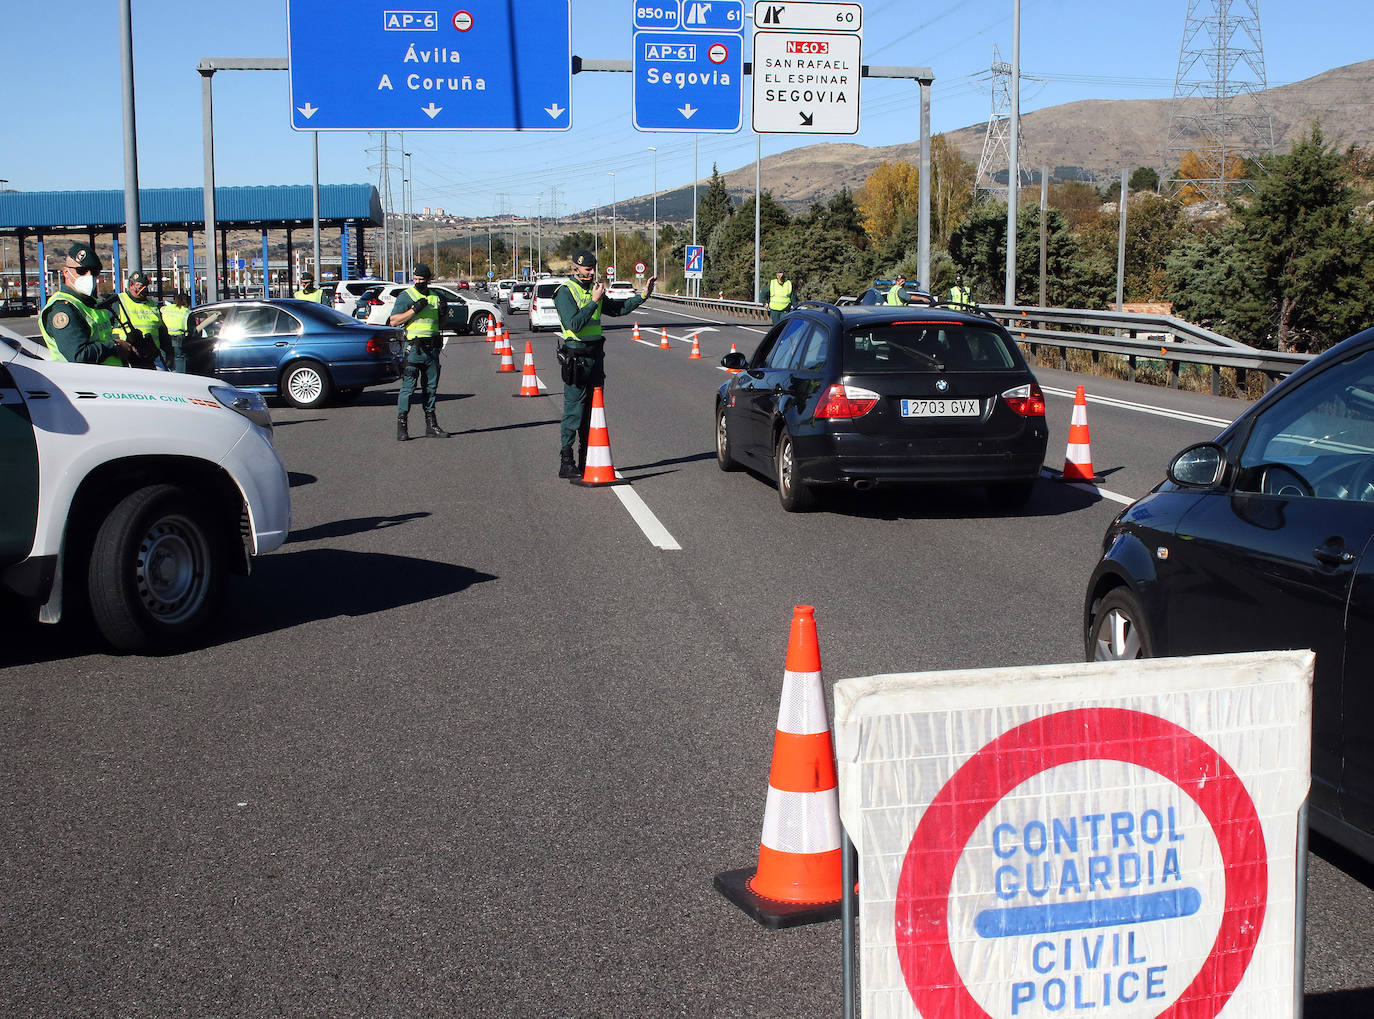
(598,484)
(771,913)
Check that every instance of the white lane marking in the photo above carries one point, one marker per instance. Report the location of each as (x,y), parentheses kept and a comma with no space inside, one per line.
(1144,408)
(641,514)
(726,325)
(1050,475)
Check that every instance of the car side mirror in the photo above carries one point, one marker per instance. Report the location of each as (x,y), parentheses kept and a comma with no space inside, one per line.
(734,360)
(1200,466)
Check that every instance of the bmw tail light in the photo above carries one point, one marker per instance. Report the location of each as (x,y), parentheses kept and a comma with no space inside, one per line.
(845,402)
(376,346)
(1026,400)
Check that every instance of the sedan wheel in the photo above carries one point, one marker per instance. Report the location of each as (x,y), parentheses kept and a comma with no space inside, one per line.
(1119,631)
(477,325)
(725,454)
(306,385)
(795,495)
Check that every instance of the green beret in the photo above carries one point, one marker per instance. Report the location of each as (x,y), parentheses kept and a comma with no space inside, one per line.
(422,271)
(584,258)
(84,256)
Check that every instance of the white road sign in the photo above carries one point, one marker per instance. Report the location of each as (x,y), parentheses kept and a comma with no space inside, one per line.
(807,16)
(806,82)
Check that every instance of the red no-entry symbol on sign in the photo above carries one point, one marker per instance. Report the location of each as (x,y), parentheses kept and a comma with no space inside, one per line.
(462,21)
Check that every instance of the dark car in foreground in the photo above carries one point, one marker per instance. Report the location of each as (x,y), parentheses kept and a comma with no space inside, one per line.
(303,352)
(1259,540)
(867,396)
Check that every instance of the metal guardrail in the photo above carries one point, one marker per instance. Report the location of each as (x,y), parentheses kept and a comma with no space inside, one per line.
(1160,338)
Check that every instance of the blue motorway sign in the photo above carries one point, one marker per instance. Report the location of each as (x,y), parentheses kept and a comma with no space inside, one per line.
(712,15)
(499,65)
(688,80)
(694,261)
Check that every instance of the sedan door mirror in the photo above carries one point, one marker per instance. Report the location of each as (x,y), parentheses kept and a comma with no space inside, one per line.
(1200,466)
(734,360)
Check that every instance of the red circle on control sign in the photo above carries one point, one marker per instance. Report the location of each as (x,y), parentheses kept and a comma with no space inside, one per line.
(1085,734)
(717,53)
(462,21)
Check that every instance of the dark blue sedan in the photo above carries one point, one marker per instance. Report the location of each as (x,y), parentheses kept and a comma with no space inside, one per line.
(303,352)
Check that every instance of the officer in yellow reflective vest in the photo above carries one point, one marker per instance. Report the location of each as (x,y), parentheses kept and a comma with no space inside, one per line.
(896,294)
(779,296)
(423,312)
(72,326)
(959,294)
(308,290)
(581,302)
(137,312)
(175,317)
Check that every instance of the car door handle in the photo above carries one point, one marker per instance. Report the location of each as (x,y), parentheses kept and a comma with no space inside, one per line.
(1331,555)
(282,343)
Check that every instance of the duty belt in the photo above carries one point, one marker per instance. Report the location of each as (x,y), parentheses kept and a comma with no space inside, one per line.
(586,348)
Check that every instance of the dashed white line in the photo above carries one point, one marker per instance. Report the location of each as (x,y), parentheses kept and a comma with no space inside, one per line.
(1143,408)
(641,514)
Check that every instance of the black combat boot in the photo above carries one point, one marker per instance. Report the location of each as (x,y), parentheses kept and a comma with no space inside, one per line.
(432,429)
(566,467)
(402,427)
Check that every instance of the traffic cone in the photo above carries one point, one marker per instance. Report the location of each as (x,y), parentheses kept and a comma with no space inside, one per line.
(695,355)
(797,880)
(491,331)
(1078,457)
(636,337)
(506,349)
(663,343)
(733,371)
(529,381)
(507,360)
(598,470)
(496,340)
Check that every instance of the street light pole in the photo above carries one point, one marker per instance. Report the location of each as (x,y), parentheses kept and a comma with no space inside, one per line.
(654,150)
(613,247)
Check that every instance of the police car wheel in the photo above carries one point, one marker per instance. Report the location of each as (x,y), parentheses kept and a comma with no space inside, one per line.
(306,384)
(795,495)
(477,325)
(158,570)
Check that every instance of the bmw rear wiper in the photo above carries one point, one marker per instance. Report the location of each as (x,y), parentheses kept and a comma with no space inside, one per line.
(930,359)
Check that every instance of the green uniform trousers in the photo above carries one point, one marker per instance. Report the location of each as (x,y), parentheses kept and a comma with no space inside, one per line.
(421,364)
(577,399)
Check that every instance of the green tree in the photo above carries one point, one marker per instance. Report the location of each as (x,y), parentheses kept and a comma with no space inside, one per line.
(979,249)
(1311,254)
(1144,179)
(714,205)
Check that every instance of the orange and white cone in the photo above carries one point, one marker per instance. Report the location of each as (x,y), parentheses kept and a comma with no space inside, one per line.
(507,360)
(529,381)
(797,880)
(695,355)
(636,337)
(663,343)
(491,331)
(1078,457)
(598,470)
(496,340)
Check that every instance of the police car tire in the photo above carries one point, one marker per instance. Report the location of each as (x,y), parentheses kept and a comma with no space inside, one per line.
(306,385)
(477,325)
(158,570)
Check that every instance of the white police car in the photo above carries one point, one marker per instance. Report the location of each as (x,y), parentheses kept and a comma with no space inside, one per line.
(137,491)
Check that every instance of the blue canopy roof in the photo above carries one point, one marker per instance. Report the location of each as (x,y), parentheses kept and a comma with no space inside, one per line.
(36,212)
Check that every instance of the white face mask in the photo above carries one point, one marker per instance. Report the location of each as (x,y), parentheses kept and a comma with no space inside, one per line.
(85,284)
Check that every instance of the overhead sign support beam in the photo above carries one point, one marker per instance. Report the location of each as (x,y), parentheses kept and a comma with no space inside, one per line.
(923,76)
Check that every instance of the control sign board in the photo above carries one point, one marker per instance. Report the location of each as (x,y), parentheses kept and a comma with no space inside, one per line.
(806,83)
(370,65)
(1106,840)
(691,78)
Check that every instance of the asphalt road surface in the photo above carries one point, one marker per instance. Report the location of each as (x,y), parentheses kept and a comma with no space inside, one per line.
(475,741)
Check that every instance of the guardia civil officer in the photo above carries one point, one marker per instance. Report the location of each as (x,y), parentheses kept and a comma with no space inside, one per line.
(959,294)
(581,302)
(73,327)
(137,311)
(421,311)
(175,317)
(779,296)
(895,295)
(308,290)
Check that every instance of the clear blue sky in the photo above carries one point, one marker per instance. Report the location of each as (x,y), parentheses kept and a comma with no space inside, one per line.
(61,84)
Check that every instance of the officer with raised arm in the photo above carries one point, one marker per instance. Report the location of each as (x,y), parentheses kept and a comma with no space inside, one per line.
(581,302)
(422,311)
